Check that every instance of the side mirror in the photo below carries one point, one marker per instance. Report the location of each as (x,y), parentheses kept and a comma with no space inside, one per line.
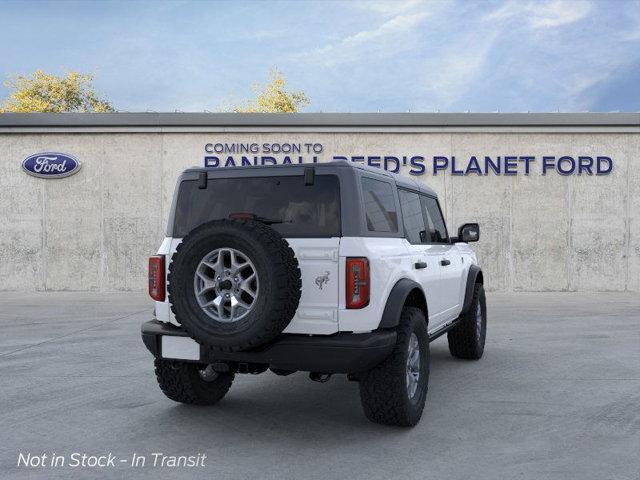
(469,232)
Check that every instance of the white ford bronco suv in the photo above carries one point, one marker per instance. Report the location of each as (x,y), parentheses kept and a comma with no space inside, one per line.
(326,268)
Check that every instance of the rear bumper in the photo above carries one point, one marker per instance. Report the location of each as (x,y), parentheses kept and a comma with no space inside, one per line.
(338,353)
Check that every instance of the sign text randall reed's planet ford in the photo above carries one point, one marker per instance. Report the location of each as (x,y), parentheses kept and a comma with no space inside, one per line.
(254,154)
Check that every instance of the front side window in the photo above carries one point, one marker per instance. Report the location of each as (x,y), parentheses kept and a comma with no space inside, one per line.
(379,206)
(412,217)
(437,227)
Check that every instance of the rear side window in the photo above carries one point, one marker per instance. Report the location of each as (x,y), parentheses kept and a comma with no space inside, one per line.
(412,217)
(437,227)
(285,203)
(379,206)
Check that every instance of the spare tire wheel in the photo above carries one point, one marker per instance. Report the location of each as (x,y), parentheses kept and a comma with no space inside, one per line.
(234,284)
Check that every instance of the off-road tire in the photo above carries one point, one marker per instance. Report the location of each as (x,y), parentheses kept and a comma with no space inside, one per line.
(278,272)
(182,382)
(466,340)
(383,389)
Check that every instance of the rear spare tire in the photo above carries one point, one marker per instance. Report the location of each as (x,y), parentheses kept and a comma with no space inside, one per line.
(234,284)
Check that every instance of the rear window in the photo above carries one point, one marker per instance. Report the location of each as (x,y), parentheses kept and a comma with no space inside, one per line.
(379,206)
(411,207)
(285,203)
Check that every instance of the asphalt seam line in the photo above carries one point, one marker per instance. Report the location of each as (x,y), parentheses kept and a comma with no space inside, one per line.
(72,333)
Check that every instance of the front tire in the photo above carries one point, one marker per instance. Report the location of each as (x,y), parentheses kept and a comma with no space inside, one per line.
(467,339)
(395,391)
(191,383)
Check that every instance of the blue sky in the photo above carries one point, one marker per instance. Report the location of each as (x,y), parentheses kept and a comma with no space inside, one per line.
(353,56)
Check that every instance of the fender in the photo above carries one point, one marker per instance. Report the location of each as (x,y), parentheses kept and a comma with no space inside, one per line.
(397,299)
(475,276)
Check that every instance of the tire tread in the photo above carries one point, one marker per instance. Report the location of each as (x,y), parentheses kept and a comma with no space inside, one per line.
(287,270)
(463,341)
(178,381)
(383,390)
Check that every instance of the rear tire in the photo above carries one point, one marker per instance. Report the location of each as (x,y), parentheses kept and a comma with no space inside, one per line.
(191,383)
(467,339)
(385,390)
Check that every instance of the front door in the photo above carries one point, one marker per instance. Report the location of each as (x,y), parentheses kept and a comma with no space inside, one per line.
(449,261)
(424,257)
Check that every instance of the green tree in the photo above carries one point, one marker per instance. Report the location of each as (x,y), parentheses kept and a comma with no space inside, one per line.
(273,97)
(42,92)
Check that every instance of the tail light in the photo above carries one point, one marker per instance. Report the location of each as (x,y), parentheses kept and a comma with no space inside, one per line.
(156,278)
(358,282)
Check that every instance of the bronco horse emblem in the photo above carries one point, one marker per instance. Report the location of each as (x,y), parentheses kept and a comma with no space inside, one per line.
(322,279)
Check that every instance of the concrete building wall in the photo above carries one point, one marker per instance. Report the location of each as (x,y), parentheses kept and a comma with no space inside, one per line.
(94,230)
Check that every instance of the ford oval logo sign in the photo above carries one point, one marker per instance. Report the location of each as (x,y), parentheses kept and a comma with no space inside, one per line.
(51,165)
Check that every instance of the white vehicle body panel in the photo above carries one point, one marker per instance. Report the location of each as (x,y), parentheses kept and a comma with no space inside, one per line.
(318,259)
(322,309)
(428,278)
(389,261)
(323,263)
(318,310)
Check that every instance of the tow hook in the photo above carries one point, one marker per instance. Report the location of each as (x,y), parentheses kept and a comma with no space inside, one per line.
(320,377)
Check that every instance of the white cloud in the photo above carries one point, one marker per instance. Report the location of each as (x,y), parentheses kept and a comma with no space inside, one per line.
(632,14)
(398,24)
(517,57)
(556,13)
(393,36)
(507,11)
(464,64)
(540,15)
(394,7)
(455,70)
(567,67)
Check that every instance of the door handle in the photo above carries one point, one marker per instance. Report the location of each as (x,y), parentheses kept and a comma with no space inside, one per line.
(420,265)
(445,262)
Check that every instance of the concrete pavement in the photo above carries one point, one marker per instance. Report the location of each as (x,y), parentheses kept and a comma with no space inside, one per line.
(557,396)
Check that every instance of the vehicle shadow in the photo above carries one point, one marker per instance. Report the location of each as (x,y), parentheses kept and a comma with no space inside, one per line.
(289,409)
